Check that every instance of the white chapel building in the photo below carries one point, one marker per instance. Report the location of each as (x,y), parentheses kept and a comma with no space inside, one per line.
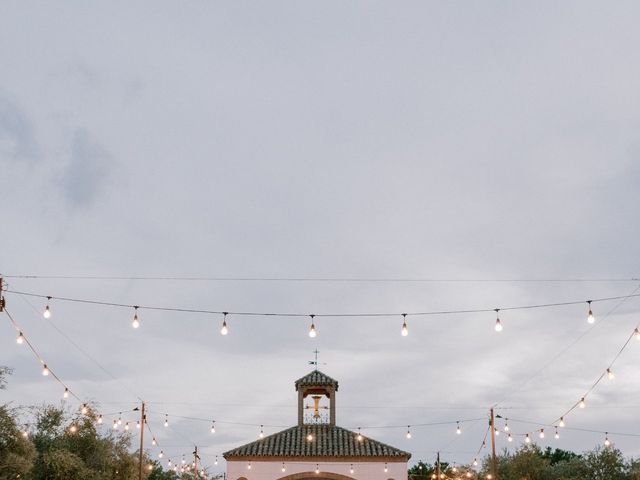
(316,448)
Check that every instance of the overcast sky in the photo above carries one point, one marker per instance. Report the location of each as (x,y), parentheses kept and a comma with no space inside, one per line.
(425,140)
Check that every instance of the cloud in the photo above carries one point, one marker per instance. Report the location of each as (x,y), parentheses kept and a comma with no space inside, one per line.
(17,135)
(88,172)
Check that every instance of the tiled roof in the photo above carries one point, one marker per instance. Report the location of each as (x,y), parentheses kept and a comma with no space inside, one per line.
(316,378)
(328,441)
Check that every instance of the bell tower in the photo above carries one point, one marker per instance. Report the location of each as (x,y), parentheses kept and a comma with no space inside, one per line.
(316,399)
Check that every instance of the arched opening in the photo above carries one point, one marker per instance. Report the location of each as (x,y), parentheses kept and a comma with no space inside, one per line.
(316,476)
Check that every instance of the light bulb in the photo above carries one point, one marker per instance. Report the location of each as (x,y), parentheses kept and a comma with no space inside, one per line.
(153,441)
(497,432)
(73,429)
(610,374)
(408,431)
(404,330)
(84,409)
(506,427)
(249,466)
(126,426)
(359,437)
(475,462)
(166,420)
(351,469)
(261,432)
(510,438)
(309,438)
(468,474)
(161,454)
(47,311)
(557,435)
(590,317)
(135,323)
(213,427)
(99,420)
(458,429)
(527,439)
(119,420)
(216,462)
(225,329)
(582,403)
(25,434)
(561,424)
(636,332)
(498,326)
(138,425)
(169,463)
(317,469)
(45,370)
(606,441)
(65,394)
(542,433)
(386,469)
(283,469)
(115,425)
(312,329)
(20,339)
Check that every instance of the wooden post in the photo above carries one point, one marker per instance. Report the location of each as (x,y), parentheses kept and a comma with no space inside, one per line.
(142,424)
(438,473)
(493,446)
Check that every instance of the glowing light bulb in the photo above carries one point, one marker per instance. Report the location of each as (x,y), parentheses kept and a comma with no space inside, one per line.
(557,435)
(582,403)
(84,409)
(99,420)
(509,438)
(607,443)
(458,429)
(47,310)
(404,330)
(359,437)
(542,433)
(283,469)
(135,323)
(153,441)
(138,425)
(497,432)
(65,394)
(468,474)
(561,424)
(45,370)
(73,429)
(590,317)
(527,439)
(20,338)
(408,431)
(506,426)
(261,432)
(216,462)
(317,469)
(25,434)
(115,425)
(225,329)
(498,327)
(213,427)
(475,462)
(636,332)
(126,426)
(161,454)
(119,420)
(166,420)
(312,329)
(169,463)
(249,466)
(351,470)
(386,469)
(309,438)
(610,374)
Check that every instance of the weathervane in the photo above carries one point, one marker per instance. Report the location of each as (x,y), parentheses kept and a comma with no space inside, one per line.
(315,361)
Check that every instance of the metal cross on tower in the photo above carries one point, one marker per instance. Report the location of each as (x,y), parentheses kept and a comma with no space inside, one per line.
(315,360)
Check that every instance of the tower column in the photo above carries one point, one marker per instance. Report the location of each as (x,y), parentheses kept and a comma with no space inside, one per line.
(332,406)
(300,407)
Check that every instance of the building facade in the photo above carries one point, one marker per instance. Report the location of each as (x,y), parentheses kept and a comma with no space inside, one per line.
(316,448)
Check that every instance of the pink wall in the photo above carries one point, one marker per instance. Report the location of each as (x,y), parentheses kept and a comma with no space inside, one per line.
(261,470)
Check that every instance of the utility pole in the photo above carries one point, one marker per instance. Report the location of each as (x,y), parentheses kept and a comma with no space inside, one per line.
(493,446)
(438,473)
(1,296)
(195,461)
(143,421)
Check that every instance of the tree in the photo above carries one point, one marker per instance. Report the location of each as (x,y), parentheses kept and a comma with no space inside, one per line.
(16,450)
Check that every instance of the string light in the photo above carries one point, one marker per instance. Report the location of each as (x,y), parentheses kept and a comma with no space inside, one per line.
(153,441)
(561,424)
(119,420)
(386,468)
(166,420)
(126,426)
(309,438)
(557,435)
(47,311)
(213,427)
(409,431)
(590,317)
(475,462)
(99,419)
(312,329)
(115,425)
(404,330)
(216,462)
(135,323)
(607,443)
(65,394)
(138,425)
(542,433)
(506,425)
(497,432)
(84,409)
(20,338)
(351,470)
(249,466)
(610,374)
(510,438)
(73,429)
(169,463)
(261,432)
(498,327)
(458,429)
(582,403)
(527,439)
(317,469)
(359,437)
(283,469)
(225,329)
(45,370)
(161,454)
